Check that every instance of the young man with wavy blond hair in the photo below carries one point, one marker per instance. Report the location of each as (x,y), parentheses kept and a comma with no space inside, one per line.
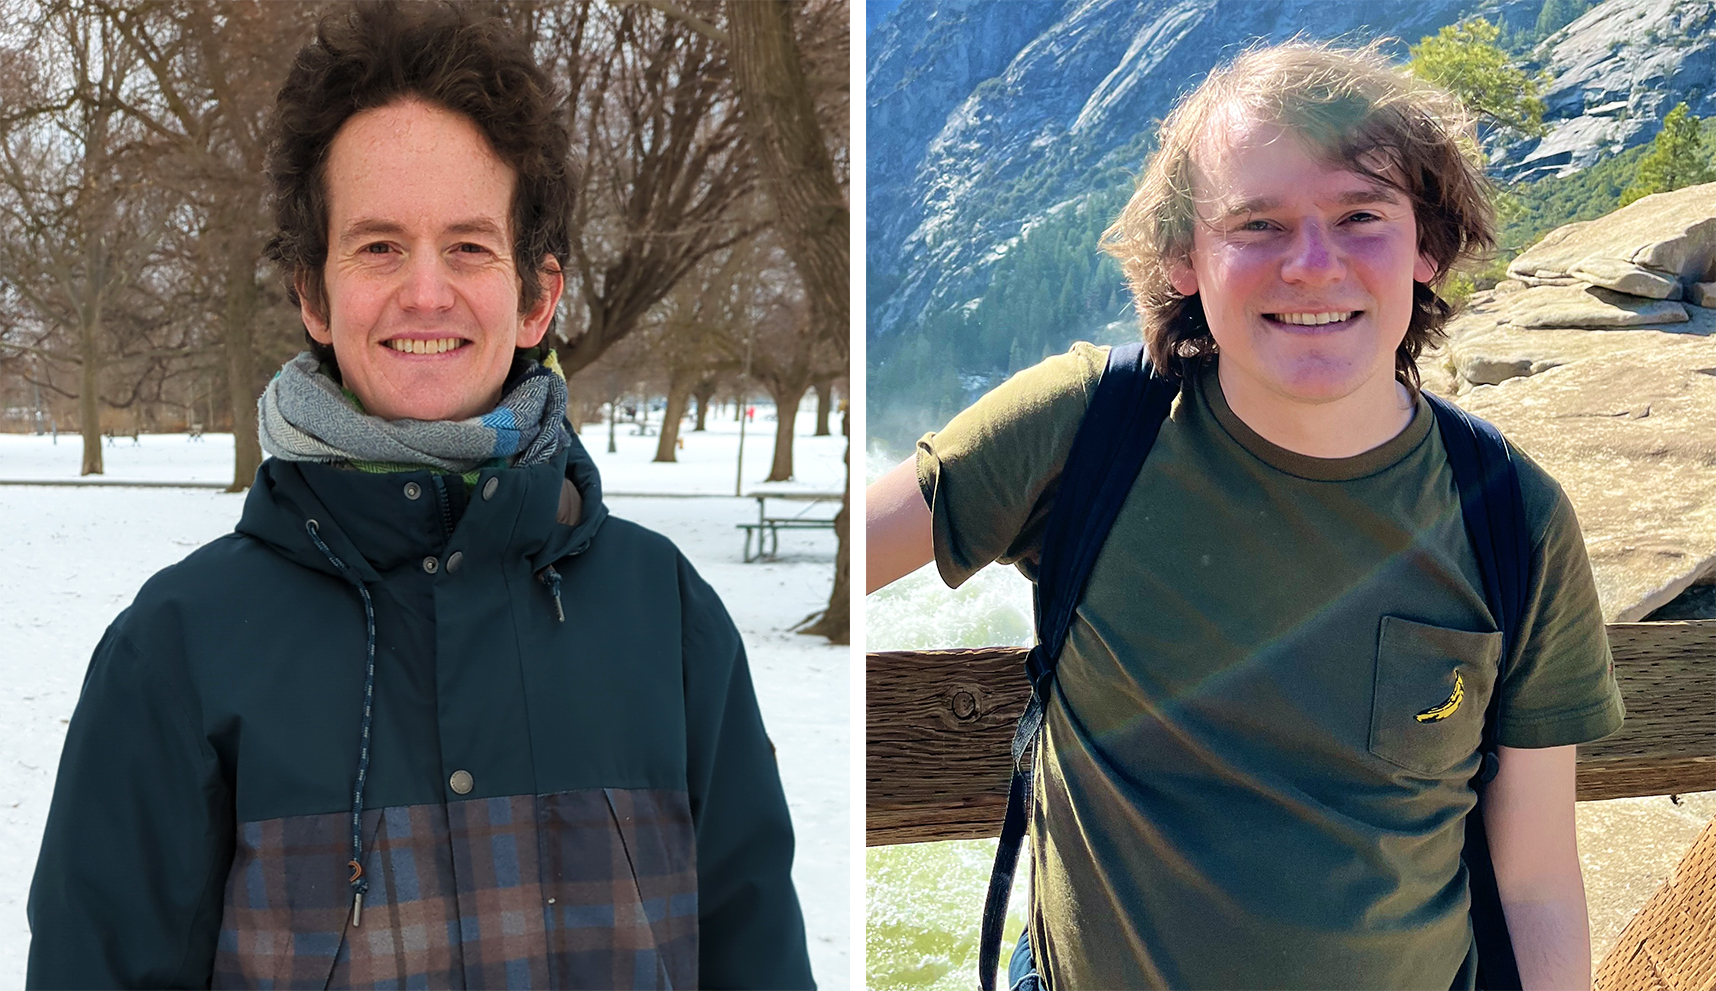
(1234,787)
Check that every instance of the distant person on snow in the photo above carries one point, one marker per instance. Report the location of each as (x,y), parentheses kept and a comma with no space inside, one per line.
(430,717)
(1259,745)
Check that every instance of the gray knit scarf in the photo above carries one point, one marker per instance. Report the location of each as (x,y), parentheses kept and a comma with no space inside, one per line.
(304,415)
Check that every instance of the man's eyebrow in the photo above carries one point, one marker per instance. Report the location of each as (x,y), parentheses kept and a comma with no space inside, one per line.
(371,226)
(479,225)
(1353,197)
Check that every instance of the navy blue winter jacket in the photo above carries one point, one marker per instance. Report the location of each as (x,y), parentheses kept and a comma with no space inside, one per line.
(565,777)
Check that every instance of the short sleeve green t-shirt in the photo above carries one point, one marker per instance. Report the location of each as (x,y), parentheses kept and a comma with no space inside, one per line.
(1255,760)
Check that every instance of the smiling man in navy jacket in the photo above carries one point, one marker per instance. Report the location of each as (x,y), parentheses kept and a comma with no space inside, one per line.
(430,716)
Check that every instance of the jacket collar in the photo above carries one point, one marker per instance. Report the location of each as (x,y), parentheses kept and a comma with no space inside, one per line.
(372,523)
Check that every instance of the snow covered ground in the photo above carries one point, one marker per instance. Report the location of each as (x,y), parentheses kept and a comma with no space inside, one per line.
(72,558)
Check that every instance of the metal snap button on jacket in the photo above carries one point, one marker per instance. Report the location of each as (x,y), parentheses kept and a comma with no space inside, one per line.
(413,490)
(430,564)
(454,560)
(460,782)
(489,488)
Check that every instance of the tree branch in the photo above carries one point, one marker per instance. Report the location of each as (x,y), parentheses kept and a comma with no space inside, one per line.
(686,17)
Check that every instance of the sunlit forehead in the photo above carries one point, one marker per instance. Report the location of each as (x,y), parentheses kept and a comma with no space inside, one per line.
(1244,167)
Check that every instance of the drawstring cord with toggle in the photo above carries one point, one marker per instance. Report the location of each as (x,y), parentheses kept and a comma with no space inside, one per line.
(548,576)
(359,883)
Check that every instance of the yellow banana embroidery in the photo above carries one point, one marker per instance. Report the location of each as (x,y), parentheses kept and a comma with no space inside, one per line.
(1447,708)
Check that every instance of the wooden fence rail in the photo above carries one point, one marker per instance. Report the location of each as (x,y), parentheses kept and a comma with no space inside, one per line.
(940,723)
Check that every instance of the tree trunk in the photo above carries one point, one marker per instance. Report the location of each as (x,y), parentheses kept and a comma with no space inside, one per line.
(836,620)
(786,411)
(237,338)
(678,394)
(824,400)
(613,418)
(96,275)
(89,397)
(705,392)
(810,207)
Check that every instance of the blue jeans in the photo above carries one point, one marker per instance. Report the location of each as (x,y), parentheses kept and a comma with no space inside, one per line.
(1021,969)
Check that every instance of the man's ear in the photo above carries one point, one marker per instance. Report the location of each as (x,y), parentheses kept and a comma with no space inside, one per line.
(316,325)
(1183,278)
(1425,270)
(535,322)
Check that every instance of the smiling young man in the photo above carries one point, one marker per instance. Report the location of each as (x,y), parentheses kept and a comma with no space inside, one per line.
(1256,758)
(430,717)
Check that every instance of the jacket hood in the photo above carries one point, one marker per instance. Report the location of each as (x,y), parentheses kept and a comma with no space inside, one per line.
(563,540)
(370,526)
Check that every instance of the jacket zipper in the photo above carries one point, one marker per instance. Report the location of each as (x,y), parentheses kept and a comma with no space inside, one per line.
(443,500)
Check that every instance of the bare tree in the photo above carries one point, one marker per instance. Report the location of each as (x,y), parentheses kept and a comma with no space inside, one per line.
(791,86)
(704,393)
(216,68)
(617,378)
(683,340)
(770,333)
(824,403)
(811,213)
(660,162)
(79,222)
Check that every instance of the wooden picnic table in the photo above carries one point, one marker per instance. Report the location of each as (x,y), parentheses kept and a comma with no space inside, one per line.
(771,526)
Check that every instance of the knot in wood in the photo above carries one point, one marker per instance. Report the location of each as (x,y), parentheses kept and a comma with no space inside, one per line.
(964,705)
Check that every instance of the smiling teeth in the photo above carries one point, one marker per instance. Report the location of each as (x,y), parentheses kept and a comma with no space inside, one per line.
(424,347)
(1314,319)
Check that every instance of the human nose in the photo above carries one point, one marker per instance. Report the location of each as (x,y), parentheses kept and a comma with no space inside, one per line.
(426,284)
(1312,257)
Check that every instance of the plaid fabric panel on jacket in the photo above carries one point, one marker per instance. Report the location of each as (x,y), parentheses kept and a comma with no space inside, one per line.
(590,888)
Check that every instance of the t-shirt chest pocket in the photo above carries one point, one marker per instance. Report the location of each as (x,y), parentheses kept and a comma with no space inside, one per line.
(1432,688)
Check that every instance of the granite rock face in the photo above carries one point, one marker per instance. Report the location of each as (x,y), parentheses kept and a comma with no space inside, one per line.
(1628,435)
(1589,306)
(1613,393)
(985,117)
(1614,73)
(1653,247)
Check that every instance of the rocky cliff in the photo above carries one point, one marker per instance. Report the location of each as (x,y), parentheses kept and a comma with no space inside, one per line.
(1614,73)
(986,116)
(983,116)
(1597,357)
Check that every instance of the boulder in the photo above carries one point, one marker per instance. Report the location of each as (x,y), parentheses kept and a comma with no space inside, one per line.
(1662,237)
(1586,306)
(1702,294)
(1621,417)
(1625,277)
(1628,434)
(1483,369)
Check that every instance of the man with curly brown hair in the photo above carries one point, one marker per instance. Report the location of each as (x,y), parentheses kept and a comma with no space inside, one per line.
(430,717)
(1256,758)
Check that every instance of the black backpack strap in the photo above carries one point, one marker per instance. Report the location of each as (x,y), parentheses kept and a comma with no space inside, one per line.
(1494,511)
(1113,439)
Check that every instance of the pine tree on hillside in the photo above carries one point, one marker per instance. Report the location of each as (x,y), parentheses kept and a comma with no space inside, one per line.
(1677,158)
(1465,60)
(1552,17)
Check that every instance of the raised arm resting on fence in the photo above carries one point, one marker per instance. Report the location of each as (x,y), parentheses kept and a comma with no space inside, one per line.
(940,723)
